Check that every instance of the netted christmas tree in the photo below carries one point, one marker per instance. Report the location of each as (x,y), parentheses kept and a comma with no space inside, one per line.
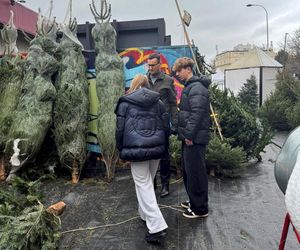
(33,115)
(109,82)
(71,104)
(9,35)
(10,91)
(10,87)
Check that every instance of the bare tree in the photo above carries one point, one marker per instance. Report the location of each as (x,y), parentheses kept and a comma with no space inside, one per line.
(293,48)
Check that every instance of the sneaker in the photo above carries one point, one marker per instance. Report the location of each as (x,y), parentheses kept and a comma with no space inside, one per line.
(164,190)
(185,204)
(156,237)
(190,214)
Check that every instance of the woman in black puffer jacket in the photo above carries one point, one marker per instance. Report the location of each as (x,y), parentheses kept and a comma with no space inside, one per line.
(140,137)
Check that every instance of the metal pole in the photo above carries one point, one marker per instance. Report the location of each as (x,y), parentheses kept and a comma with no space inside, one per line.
(213,114)
(267,21)
(284,49)
(187,37)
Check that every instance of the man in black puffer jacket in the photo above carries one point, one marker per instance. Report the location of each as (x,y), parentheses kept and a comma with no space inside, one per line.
(193,130)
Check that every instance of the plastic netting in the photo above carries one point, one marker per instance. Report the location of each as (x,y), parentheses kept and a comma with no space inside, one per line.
(71,105)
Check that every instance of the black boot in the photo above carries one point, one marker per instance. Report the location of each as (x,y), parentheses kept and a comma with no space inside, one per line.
(155,183)
(164,190)
(156,237)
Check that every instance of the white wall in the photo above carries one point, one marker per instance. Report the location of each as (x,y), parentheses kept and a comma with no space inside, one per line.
(218,80)
(235,79)
(269,81)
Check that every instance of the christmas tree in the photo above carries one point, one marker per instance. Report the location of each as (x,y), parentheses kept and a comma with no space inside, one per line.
(282,108)
(248,95)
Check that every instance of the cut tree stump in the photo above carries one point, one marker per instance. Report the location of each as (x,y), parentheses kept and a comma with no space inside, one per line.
(57,208)
(75,172)
(2,168)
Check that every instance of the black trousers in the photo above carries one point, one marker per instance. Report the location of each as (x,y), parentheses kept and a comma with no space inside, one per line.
(165,164)
(195,176)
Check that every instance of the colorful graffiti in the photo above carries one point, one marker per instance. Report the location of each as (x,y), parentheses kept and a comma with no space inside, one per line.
(135,62)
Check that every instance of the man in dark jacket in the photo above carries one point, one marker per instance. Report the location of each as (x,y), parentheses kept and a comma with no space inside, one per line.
(163,84)
(193,130)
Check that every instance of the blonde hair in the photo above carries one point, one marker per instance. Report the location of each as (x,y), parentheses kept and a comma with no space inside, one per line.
(183,63)
(139,81)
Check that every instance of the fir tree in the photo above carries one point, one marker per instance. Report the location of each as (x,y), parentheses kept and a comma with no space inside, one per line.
(237,124)
(110,87)
(240,127)
(282,57)
(223,158)
(282,107)
(25,222)
(248,95)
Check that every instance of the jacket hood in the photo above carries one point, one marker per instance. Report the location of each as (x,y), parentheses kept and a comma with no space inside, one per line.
(142,97)
(203,79)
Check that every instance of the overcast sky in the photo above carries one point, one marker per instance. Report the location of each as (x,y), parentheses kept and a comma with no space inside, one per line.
(215,24)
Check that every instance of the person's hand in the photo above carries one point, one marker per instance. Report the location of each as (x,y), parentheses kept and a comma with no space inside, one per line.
(188,142)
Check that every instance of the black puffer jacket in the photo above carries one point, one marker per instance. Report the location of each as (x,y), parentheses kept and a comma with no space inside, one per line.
(194,116)
(141,126)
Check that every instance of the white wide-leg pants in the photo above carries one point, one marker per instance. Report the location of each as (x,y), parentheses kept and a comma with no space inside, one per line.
(143,174)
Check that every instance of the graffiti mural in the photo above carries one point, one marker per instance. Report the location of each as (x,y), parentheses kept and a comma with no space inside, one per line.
(135,59)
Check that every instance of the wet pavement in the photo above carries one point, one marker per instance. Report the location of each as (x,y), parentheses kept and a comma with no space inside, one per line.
(244,213)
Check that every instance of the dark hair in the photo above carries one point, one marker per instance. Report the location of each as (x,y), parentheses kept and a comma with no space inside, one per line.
(154,56)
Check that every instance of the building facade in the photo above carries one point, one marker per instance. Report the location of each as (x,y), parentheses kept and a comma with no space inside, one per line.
(258,63)
(130,34)
(225,59)
(140,33)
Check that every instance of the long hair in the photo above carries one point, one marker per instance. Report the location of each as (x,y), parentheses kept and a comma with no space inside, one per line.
(139,81)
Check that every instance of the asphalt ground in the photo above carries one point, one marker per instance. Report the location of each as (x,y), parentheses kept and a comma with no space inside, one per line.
(244,213)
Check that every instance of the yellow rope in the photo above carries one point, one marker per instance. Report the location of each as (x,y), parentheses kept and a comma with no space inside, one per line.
(174,207)
(96,227)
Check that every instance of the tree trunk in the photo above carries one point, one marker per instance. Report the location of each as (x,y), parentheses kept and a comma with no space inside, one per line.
(75,172)
(2,168)
(57,208)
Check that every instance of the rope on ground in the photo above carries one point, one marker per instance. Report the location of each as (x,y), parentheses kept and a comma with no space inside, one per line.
(96,227)
(175,207)
(177,181)
(173,182)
